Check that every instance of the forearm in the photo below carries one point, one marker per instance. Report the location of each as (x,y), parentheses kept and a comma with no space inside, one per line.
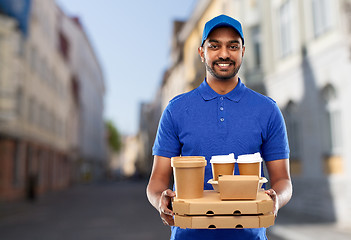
(157,190)
(283,188)
(154,190)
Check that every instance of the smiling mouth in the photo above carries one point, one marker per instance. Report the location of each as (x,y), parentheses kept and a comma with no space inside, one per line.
(224,66)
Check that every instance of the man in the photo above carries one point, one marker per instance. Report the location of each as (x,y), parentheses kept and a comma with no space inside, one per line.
(219,117)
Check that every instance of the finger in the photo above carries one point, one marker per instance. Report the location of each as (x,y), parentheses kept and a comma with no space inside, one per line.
(165,203)
(171,222)
(164,207)
(271,193)
(167,220)
(166,211)
(268,192)
(168,193)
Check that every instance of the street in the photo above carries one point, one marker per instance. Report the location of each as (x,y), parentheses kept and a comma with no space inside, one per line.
(119,210)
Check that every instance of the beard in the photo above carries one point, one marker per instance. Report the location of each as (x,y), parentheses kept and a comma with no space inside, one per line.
(223,77)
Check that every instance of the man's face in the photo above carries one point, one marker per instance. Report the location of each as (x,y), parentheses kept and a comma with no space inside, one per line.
(222,53)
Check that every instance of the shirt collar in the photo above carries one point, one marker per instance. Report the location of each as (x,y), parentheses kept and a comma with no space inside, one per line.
(208,93)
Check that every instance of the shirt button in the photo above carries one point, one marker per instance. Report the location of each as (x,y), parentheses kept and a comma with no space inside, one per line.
(222,98)
(221,108)
(222,119)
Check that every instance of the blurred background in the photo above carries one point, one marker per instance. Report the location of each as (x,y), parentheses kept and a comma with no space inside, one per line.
(84,83)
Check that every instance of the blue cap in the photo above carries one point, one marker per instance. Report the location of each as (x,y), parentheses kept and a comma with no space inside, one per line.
(221,21)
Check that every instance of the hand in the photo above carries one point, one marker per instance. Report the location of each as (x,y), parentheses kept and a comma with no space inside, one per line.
(166,214)
(274,197)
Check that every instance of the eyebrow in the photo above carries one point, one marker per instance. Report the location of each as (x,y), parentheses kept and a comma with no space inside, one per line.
(235,41)
(216,41)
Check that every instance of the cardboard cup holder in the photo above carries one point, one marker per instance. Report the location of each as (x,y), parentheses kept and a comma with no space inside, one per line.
(261,182)
(215,185)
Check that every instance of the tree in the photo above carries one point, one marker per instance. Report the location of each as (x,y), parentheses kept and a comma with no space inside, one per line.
(114,137)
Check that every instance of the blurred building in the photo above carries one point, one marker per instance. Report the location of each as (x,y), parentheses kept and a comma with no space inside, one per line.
(150,114)
(124,163)
(45,124)
(88,89)
(307,63)
(297,52)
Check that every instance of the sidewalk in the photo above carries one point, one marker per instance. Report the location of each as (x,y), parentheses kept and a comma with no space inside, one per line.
(290,226)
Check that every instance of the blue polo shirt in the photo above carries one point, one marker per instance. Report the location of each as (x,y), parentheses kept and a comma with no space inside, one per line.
(205,123)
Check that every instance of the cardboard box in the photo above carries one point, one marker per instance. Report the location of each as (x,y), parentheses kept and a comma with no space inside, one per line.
(211,204)
(232,187)
(214,184)
(206,222)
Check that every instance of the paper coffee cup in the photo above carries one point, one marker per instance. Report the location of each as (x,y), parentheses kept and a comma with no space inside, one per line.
(189,174)
(222,165)
(250,164)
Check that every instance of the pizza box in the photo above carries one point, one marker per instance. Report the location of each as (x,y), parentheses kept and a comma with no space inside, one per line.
(213,222)
(211,204)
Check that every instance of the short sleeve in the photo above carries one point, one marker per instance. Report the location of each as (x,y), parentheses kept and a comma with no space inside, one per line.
(275,145)
(167,143)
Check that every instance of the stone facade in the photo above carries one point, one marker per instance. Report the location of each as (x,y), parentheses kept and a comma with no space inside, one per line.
(88,90)
(40,110)
(307,74)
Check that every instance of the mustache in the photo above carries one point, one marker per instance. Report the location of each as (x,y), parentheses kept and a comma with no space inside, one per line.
(222,60)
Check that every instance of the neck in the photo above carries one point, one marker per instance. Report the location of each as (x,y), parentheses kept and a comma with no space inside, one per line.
(222,86)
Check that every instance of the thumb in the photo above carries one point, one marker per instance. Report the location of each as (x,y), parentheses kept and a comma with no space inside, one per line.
(169,193)
(271,193)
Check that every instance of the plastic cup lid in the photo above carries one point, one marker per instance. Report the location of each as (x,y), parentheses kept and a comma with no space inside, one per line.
(188,161)
(250,158)
(187,158)
(223,158)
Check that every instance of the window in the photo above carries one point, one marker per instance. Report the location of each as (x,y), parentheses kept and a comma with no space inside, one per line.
(64,45)
(322,16)
(291,119)
(256,40)
(41,168)
(17,163)
(332,121)
(41,113)
(19,102)
(33,59)
(285,28)
(31,109)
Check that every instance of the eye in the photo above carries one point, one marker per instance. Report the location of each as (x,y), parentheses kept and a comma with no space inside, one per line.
(234,47)
(213,46)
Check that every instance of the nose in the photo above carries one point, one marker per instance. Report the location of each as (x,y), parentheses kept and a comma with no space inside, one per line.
(224,53)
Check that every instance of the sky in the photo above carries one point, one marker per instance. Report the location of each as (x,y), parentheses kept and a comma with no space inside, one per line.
(132,40)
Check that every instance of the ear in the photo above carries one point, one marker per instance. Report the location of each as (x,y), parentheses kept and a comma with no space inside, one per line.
(200,50)
(243,52)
